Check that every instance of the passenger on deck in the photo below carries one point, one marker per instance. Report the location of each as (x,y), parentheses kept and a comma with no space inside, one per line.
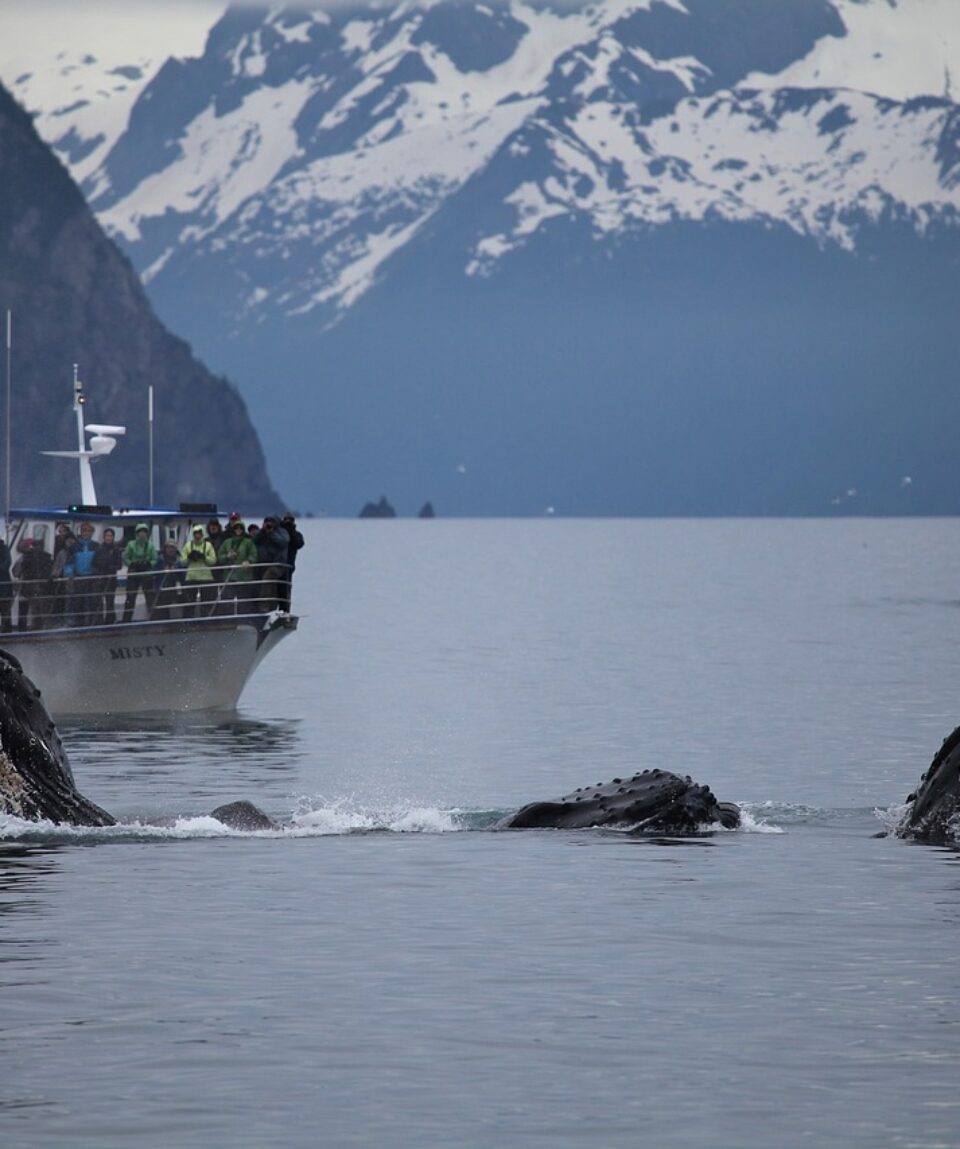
(34,569)
(238,555)
(140,557)
(83,608)
(106,563)
(199,557)
(272,544)
(169,582)
(6,589)
(216,538)
(60,534)
(295,545)
(65,599)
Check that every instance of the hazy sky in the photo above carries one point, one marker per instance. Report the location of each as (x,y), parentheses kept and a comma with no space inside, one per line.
(170,28)
(909,46)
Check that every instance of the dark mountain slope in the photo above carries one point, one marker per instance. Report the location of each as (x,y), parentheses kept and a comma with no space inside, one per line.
(688,369)
(76,299)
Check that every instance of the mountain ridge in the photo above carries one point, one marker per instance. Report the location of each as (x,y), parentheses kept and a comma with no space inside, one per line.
(355,186)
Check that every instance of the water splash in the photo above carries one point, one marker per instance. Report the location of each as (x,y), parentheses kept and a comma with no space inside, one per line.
(323,816)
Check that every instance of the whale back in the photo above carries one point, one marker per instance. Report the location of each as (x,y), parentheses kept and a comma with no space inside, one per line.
(243,815)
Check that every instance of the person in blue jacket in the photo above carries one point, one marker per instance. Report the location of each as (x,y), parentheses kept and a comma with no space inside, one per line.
(83,607)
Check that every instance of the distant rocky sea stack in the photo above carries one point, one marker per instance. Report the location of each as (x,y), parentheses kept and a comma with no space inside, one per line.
(380,510)
(384,510)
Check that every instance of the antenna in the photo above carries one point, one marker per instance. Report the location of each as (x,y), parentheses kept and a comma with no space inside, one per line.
(150,428)
(102,443)
(7,496)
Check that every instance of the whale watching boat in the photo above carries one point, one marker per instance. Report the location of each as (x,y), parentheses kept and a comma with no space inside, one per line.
(90,649)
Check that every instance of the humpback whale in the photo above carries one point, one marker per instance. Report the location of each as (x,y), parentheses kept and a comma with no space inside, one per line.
(933,809)
(655,801)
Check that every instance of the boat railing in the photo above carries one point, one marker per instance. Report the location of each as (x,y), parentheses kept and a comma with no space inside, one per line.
(154,595)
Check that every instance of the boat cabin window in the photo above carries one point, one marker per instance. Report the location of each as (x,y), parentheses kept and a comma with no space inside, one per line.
(40,533)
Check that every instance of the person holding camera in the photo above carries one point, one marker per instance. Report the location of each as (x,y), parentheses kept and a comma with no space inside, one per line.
(199,557)
(168,582)
(139,557)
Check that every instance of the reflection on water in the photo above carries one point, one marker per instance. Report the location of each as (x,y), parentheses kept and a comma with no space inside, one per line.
(217,734)
(21,868)
(165,764)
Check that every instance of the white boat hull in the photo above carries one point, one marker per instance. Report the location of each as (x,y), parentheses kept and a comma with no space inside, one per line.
(181,665)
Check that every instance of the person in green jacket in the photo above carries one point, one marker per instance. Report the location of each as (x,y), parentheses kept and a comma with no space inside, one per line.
(139,557)
(199,557)
(238,555)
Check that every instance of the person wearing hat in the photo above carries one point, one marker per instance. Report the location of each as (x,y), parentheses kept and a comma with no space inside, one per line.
(199,557)
(139,557)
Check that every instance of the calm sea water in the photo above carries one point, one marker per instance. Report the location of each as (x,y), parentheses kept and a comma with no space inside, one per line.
(391,972)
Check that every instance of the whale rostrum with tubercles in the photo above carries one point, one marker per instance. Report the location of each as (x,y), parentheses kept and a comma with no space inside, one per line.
(654,801)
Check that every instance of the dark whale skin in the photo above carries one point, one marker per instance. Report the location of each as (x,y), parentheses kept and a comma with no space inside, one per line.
(36,782)
(654,801)
(933,813)
(243,815)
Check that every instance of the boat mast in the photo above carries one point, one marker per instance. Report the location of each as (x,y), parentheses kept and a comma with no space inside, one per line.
(88,494)
(6,492)
(150,429)
(102,443)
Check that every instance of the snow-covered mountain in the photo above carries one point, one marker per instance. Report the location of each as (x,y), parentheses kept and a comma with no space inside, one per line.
(416,193)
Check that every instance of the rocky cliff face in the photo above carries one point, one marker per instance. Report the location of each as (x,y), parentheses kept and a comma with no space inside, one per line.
(76,299)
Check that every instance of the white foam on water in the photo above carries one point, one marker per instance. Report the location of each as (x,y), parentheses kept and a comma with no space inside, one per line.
(330,818)
(891,816)
(344,817)
(750,823)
